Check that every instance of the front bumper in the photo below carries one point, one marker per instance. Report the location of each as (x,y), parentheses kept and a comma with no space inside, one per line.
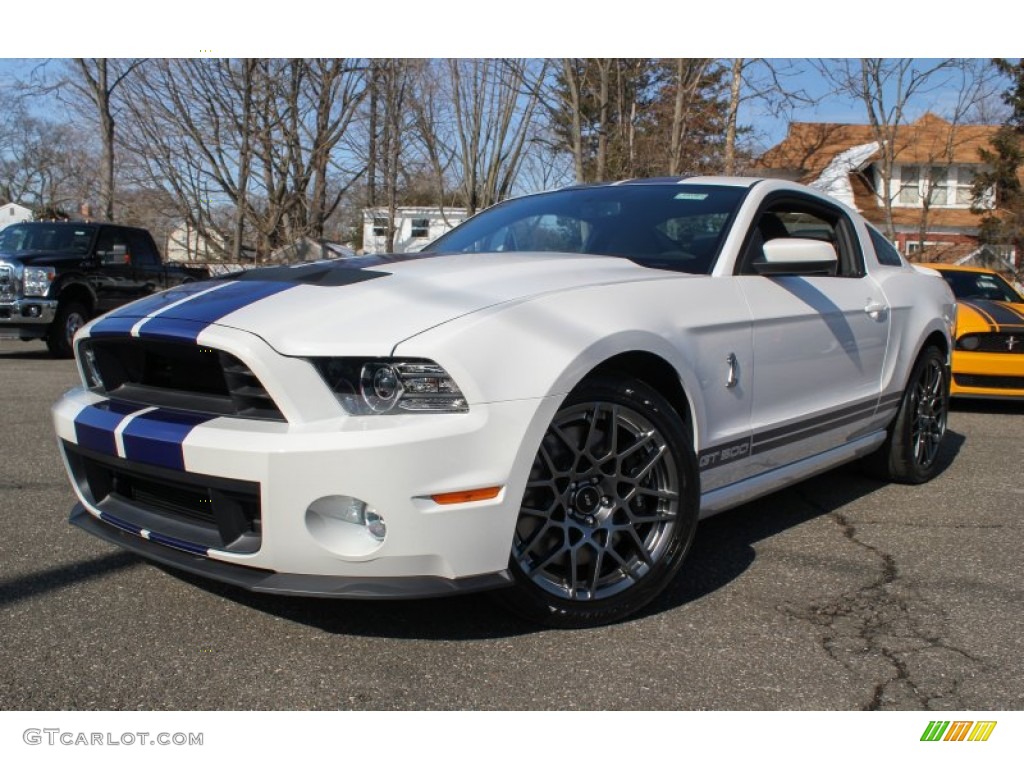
(26,318)
(394,463)
(988,375)
(257,580)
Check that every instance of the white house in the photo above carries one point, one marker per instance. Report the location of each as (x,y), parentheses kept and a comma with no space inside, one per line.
(12,213)
(186,243)
(415,227)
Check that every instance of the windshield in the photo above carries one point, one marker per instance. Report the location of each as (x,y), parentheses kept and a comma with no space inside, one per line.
(53,238)
(668,226)
(980,285)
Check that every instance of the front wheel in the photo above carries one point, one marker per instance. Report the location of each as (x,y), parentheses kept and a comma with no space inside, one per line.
(69,318)
(610,507)
(910,452)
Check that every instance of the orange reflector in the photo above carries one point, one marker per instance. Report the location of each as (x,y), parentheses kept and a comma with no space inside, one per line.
(461,497)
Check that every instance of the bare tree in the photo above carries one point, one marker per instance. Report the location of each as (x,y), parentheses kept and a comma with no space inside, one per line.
(765,81)
(886,88)
(574,73)
(972,82)
(97,80)
(249,140)
(689,76)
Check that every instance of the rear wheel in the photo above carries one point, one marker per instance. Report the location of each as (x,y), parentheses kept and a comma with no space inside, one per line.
(69,318)
(610,507)
(910,452)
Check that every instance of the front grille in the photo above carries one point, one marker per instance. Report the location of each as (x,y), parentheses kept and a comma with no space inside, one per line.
(8,285)
(184,376)
(207,511)
(1012,343)
(990,382)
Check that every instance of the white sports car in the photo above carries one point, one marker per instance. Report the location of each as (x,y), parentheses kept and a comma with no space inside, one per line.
(547,399)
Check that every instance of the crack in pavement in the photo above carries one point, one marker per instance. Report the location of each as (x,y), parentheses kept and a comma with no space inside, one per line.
(887,630)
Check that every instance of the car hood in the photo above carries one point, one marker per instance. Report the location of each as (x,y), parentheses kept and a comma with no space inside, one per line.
(365,306)
(986,316)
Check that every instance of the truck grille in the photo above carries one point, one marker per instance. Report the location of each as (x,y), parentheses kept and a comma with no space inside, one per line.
(208,512)
(8,285)
(183,376)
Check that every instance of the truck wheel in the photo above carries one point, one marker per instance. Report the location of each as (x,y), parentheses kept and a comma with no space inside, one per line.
(70,317)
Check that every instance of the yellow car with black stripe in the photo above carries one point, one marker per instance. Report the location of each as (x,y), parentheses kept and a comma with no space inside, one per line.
(988,357)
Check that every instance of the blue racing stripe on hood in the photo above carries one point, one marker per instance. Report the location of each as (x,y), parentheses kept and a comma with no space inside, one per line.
(95,425)
(156,437)
(121,320)
(187,320)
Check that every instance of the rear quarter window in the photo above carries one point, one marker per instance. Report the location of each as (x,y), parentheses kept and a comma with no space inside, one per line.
(884,250)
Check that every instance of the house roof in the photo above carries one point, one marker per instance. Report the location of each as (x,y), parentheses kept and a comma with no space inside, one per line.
(829,156)
(810,147)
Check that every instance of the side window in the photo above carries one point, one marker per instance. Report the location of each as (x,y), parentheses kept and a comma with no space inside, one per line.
(112,246)
(142,250)
(884,250)
(806,220)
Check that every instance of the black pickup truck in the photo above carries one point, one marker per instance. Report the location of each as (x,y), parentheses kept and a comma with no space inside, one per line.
(55,276)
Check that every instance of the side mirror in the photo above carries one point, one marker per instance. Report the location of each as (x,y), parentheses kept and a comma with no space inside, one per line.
(797,256)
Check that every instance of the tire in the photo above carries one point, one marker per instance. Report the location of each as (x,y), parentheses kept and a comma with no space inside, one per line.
(609,510)
(69,318)
(910,452)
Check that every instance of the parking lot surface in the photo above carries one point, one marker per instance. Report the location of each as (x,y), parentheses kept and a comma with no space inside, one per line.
(840,594)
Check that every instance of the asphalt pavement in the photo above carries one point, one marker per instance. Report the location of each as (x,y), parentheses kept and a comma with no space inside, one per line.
(838,594)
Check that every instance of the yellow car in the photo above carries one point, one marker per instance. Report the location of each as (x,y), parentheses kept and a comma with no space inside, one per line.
(988,356)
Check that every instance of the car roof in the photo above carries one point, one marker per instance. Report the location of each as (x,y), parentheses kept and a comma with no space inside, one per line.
(729,181)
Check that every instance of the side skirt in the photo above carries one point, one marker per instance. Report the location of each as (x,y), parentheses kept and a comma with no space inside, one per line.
(721,499)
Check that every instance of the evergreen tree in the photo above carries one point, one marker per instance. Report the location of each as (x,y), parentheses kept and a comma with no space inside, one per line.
(998,193)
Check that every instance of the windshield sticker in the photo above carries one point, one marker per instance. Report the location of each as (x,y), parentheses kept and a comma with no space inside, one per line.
(692,196)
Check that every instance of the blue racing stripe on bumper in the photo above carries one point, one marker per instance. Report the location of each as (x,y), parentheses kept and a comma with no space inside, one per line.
(95,425)
(119,523)
(186,321)
(156,437)
(169,541)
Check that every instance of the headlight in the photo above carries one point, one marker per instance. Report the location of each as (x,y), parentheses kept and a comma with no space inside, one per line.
(37,280)
(970,342)
(90,370)
(377,385)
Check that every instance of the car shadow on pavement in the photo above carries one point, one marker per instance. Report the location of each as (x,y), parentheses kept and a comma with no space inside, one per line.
(723,549)
(724,545)
(24,587)
(27,354)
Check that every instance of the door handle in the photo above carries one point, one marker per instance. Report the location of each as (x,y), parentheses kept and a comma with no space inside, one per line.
(733,378)
(875,309)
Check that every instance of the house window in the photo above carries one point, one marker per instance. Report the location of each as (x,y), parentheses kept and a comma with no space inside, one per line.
(938,185)
(380,226)
(943,186)
(421,227)
(915,246)
(964,185)
(910,185)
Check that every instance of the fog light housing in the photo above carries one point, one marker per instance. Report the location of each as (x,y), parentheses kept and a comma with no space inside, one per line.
(364,519)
